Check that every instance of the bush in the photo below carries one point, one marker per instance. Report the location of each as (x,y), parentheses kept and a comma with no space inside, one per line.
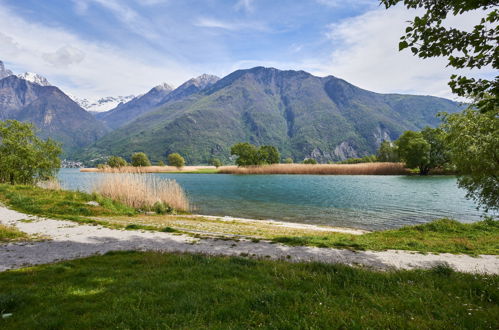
(115,161)
(288,160)
(216,162)
(310,161)
(176,160)
(161,163)
(140,159)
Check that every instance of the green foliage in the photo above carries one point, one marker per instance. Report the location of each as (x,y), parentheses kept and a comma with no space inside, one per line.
(216,162)
(288,160)
(150,290)
(267,155)
(430,35)
(115,161)
(365,159)
(414,150)
(387,152)
(176,160)
(441,236)
(26,159)
(161,163)
(473,142)
(310,161)
(248,154)
(140,159)
(439,150)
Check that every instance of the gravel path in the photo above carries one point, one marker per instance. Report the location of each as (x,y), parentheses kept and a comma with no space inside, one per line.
(69,240)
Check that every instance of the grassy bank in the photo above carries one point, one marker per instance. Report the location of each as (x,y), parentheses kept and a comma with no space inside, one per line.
(152,290)
(332,169)
(60,203)
(11,234)
(442,235)
(439,236)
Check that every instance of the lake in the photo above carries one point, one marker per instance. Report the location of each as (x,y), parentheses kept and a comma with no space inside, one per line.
(367,202)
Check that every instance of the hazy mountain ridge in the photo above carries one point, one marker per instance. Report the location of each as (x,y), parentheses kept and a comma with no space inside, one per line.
(50,110)
(303,115)
(157,96)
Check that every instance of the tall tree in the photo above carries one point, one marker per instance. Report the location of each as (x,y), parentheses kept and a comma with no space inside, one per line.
(414,150)
(25,158)
(473,140)
(430,36)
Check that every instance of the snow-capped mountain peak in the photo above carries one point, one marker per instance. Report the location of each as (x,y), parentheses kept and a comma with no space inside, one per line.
(34,78)
(102,104)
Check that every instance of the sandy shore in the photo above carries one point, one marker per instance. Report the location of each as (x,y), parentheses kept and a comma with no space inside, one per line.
(69,240)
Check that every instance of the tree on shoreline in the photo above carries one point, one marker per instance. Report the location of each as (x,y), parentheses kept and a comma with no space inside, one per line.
(248,154)
(176,160)
(140,159)
(25,158)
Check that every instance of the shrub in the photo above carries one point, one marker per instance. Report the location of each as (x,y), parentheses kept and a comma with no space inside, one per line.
(288,160)
(310,161)
(115,161)
(176,160)
(140,159)
(161,163)
(216,162)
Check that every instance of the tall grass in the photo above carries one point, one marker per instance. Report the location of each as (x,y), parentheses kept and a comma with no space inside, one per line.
(335,169)
(143,191)
(145,169)
(52,184)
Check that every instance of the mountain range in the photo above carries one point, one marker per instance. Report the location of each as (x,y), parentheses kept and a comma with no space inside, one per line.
(304,116)
(301,114)
(29,97)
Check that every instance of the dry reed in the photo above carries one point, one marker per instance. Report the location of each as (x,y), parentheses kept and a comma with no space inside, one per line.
(142,191)
(52,184)
(144,169)
(332,169)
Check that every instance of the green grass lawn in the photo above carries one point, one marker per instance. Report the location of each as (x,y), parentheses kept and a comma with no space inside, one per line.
(442,235)
(60,203)
(9,234)
(132,290)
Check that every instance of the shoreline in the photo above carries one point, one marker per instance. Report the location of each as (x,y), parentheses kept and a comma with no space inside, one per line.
(287,224)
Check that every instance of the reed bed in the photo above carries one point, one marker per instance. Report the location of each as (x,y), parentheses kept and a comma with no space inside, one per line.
(331,169)
(144,192)
(144,169)
(51,184)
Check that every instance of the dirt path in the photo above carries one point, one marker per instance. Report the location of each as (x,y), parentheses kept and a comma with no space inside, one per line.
(69,240)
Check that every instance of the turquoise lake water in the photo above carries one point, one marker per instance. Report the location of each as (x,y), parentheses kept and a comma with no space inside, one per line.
(368,202)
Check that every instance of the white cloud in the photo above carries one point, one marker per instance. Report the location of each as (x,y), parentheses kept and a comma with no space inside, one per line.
(64,56)
(80,67)
(131,19)
(366,54)
(207,22)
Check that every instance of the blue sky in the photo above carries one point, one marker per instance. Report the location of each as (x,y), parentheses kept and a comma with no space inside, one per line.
(94,48)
